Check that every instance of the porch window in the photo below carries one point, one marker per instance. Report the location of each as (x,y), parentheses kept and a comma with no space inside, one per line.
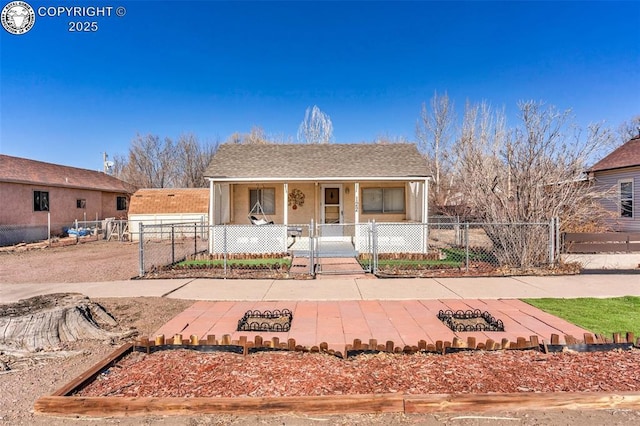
(41,201)
(626,198)
(267,198)
(383,200)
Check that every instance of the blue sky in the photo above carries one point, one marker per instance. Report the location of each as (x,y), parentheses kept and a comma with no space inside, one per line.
(212,68)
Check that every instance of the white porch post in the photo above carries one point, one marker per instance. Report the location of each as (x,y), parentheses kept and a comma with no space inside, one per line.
(356,201)
(212,193)
(285,203)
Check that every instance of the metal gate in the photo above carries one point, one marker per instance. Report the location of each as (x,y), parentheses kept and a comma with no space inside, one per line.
(341,248)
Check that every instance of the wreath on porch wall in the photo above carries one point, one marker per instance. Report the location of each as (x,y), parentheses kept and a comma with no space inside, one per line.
(296,198)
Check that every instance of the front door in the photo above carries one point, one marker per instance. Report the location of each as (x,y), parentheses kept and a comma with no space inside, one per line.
(331,219)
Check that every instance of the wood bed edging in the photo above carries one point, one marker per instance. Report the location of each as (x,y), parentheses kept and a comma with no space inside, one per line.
(89,375)
(336,404)
(415,404)
(125,406)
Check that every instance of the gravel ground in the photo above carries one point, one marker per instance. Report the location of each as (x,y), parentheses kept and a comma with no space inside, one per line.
(25,378)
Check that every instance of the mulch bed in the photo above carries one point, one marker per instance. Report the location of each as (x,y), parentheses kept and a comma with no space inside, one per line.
(186,373)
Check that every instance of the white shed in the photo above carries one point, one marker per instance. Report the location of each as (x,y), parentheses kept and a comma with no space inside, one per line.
(167,205)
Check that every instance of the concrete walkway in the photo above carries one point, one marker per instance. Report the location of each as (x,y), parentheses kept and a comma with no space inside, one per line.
(340,288)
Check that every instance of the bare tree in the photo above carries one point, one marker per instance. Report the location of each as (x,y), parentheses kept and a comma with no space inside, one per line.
(151,163)
(528,174)
(192,158)
(156,163)
(256,136)
(316,127)
(629,129)
(435,131)
(385,138)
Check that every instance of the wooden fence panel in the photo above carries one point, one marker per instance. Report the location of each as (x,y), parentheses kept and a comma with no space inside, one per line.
(604,242)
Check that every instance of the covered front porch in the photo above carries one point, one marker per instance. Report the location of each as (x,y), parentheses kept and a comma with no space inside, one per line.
(324,203)
(332,218)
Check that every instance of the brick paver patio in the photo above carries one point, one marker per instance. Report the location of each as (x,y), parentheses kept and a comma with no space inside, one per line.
(340,322)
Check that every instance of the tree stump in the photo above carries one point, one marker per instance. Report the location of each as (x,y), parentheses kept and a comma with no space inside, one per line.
(44,322)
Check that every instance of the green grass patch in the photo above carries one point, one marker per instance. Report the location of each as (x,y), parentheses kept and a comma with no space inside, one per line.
(248,263)
(602,316)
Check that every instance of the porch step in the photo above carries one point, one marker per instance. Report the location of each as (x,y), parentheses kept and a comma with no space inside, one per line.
(326,254)
(337,254)
(339,266)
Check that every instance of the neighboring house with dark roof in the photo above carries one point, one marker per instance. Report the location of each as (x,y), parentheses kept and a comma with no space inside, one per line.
(620,170)
(167,205)
(32,191)
(326,183)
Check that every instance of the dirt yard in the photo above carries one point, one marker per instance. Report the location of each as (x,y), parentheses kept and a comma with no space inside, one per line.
(26,377)
(93,261)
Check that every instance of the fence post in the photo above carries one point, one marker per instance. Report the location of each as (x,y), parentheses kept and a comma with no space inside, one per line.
(374,239)
(224,249)
(558,236)
(141,248)
(49,229)
(312,261)
(466,245)
(173,245)
(551,241)
(195,239)
(425,237)
(370,246)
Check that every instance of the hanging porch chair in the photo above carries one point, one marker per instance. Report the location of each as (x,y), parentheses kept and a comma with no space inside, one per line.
(257,215)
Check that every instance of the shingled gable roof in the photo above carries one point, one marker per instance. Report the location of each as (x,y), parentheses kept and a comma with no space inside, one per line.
(170,200)
(32,172)
(317,161)
(627,155)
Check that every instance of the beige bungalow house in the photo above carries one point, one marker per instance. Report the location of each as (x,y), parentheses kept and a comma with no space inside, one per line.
(333,186)
(326,183)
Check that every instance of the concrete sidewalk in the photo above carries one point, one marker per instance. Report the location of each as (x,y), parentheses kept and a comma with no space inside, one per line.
(570,286)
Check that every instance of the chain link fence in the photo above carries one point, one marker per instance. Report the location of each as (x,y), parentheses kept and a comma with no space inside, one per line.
(455,248)
(167,244)
(17,234)
(444,248)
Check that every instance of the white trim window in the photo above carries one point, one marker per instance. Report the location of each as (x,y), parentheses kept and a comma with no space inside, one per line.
(383,200)
(267,198)
(626,197)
